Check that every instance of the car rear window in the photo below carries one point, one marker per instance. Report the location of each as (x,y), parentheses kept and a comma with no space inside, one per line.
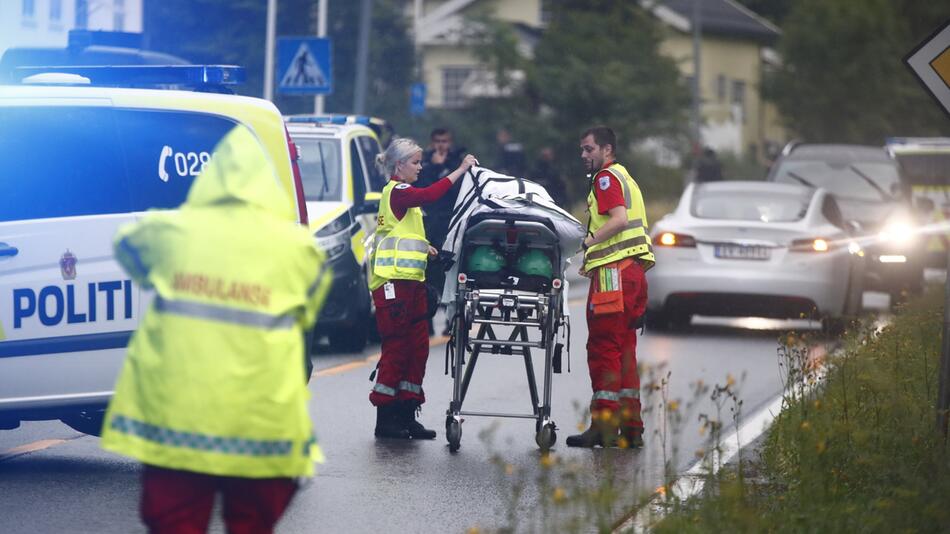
(749,206)
(74,161)
(320,168)
(861,180)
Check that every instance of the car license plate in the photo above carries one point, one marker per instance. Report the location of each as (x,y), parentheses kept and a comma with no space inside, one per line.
(742,252)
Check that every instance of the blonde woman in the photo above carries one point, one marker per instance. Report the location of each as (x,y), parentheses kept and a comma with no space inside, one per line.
(398,286)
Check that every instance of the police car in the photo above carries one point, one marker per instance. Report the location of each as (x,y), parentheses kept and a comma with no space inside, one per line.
(81,157)
(342,187)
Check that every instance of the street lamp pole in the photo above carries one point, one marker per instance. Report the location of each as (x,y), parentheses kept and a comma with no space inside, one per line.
(269,50)
(943,392)
(697,117)
(321,32)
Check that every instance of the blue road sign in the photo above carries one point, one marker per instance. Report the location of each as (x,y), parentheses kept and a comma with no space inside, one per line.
(417,99)
(303,66)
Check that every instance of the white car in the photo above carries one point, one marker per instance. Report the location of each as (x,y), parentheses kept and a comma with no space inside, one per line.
(754,249)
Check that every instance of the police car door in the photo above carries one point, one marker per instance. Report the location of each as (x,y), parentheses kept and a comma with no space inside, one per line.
(366,147)
(66,308)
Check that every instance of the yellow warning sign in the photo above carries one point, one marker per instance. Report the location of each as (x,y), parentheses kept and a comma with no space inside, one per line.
(941,64)
(930,61)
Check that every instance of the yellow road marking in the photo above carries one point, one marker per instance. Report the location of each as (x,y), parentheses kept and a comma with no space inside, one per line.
(30,447)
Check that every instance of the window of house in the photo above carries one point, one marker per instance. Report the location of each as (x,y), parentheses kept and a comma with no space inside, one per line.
(453,78)
(28,13)
(546,12)
(118,15)
(82,14)
(721,88)
(55,10)
(738,97)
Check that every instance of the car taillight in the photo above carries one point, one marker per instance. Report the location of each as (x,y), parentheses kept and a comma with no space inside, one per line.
(669,239)
(817,244)
(298,181)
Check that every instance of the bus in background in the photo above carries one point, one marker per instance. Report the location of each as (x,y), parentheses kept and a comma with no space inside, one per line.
(925,165)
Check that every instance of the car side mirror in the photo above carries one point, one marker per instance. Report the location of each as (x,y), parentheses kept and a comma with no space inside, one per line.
(924,204)
(368,206)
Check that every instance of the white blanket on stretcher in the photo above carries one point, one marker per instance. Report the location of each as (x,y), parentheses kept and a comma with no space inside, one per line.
(486,190)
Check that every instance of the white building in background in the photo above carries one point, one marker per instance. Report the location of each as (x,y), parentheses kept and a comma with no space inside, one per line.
(42,23)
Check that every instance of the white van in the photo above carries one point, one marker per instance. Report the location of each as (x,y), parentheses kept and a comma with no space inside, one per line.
(79,161)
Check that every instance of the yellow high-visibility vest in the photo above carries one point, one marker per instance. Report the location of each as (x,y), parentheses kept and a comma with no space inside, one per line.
(634,240)
(214,379)
(401,250)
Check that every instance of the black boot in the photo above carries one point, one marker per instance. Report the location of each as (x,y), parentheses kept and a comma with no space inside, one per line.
(389,423)
(415,428)
(630,438)
(602,432)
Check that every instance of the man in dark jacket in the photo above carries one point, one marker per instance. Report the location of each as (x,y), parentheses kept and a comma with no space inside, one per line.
(440,159)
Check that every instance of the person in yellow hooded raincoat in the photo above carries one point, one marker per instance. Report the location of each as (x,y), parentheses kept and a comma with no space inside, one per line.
(212,396)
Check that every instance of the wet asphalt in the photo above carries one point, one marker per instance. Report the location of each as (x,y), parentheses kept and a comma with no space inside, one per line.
(53,479)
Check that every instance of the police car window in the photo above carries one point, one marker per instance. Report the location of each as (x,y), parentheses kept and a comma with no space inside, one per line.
(165,151)
(60,161)
(359,177)
(320,168)
(370,148)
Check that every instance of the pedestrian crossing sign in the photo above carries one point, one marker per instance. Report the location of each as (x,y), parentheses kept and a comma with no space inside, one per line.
(303,66)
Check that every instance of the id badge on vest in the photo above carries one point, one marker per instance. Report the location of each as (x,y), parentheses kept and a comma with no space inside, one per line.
(389,290)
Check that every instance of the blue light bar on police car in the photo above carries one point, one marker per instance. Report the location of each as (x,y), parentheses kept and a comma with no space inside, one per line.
(146,75)
(331,119)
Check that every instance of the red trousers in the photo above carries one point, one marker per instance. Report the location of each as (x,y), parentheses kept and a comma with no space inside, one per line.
(612,350)
(180,502)
(405,335)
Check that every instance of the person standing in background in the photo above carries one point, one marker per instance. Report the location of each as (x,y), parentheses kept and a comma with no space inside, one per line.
(546,174)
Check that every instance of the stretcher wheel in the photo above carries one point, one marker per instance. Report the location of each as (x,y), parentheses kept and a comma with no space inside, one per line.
(453,432)
(546,437)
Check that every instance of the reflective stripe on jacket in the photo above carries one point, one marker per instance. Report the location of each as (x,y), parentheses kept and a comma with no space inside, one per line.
(214,379)
(632,241)
(401,250)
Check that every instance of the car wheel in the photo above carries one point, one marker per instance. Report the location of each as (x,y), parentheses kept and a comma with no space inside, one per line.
(656,320)
(351,339)
(86,422)
(680,320)
(834,326)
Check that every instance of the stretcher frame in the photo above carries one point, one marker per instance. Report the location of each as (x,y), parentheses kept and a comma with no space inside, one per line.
(483,309)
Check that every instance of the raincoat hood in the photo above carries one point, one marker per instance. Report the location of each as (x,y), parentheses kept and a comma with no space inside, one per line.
(240,173)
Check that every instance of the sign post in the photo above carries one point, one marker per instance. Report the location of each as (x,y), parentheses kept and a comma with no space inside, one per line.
(930,62)
(417,99)
(303,66)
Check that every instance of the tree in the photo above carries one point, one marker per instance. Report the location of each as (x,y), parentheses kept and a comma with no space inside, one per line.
(842,77)
(234,32)
(391,58)
(597,62)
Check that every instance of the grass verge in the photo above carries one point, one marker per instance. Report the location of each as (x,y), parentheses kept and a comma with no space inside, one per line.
(855,448)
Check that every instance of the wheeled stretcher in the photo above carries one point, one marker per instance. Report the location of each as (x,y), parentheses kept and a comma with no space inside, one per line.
(512,307)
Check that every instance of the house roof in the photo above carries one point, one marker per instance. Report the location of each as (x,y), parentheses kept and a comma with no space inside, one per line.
(717,17)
